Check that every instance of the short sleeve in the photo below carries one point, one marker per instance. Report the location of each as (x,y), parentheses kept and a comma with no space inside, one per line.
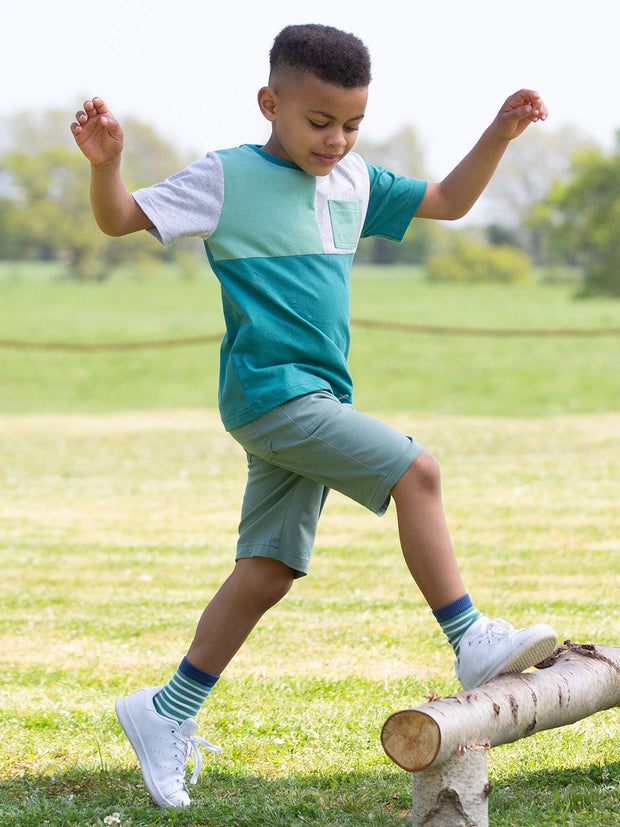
(394,200)
(188,203)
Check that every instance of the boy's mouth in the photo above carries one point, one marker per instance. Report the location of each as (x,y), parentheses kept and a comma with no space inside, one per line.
(327,159)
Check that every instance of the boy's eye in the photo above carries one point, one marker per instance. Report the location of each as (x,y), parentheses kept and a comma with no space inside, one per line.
(324,125)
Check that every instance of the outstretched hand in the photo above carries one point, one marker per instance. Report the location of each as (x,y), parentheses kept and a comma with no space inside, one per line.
(97,133)
(518,112)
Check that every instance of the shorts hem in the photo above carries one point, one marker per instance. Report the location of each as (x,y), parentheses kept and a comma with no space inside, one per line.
(298,565)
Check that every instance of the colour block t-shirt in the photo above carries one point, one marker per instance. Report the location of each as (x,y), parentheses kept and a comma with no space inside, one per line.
(281,242)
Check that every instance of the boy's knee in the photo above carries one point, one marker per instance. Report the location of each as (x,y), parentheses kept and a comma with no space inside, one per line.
(268,580)
(423,473)
(427,469)
(278,587)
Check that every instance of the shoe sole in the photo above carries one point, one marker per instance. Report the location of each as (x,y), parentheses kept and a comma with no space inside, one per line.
(133,735)
(532,655)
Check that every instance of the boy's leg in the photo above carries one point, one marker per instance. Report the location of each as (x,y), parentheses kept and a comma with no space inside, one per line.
(423,532)
(160,739)
(255,585)
(279,516)
(484,648)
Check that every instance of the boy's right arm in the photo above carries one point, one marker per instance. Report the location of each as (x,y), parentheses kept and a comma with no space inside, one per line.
(100,137)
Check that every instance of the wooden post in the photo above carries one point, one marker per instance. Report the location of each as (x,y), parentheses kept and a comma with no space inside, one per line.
(575,682)
(453,794)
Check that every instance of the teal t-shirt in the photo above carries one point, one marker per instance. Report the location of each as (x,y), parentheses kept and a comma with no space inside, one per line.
(281,242)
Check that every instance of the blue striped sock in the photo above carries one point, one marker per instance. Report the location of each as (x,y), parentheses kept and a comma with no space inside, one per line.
(186,692)
(455,619)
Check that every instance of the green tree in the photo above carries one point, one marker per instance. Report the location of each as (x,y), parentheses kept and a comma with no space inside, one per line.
(48,218)
(44,194)
(581,219)
(524,178)
(473,261)
(402,154)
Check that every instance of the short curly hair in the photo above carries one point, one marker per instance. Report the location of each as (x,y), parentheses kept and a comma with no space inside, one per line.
(328,53)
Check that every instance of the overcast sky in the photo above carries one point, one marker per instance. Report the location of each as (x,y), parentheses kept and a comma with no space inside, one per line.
(192,69)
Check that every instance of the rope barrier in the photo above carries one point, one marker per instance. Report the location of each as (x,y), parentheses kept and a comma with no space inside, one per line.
(401,327)
(109,346)
(404,327)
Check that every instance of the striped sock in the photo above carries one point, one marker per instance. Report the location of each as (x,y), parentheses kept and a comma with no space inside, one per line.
(186,692)
(455,619)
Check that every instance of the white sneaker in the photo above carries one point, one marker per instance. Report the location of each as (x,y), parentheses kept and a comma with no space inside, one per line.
(493,647)
(162,747)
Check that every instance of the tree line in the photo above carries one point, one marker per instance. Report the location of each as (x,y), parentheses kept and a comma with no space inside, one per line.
(553,203)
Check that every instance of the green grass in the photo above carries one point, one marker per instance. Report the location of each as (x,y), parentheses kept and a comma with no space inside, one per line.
(458,375)
(118,526)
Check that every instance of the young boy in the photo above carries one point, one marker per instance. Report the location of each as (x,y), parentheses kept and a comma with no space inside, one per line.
(281,224)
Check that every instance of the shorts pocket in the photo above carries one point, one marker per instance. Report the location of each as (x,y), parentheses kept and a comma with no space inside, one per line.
(346,220)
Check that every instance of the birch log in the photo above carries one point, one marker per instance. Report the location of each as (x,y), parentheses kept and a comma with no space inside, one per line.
(453,794)
(575,682)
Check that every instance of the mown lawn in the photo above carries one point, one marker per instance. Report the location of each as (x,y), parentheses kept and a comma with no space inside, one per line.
(394,370)
(119,508)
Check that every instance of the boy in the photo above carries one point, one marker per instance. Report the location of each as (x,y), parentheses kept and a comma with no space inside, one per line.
(281,223)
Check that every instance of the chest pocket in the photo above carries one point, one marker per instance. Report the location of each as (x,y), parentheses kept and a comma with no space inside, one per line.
(346,220)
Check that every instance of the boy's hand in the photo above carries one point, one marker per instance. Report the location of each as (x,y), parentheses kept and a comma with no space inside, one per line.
(97,133)
(100,137)
(517,113)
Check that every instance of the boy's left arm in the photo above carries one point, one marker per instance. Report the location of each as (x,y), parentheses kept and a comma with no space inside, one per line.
(459,191)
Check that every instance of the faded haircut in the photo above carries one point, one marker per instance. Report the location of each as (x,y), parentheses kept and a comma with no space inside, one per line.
(328,53)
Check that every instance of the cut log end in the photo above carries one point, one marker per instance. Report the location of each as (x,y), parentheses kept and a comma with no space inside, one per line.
(411,739)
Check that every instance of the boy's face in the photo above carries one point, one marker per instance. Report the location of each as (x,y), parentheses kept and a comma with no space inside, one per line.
(314,124)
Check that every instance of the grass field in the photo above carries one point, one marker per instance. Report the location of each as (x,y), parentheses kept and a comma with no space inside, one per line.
(119,508)
(425,373)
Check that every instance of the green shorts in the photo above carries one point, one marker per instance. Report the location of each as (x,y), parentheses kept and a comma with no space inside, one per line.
(296,453)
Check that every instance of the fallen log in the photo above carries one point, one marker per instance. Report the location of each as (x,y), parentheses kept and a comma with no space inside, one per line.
(444,743)
(575,682)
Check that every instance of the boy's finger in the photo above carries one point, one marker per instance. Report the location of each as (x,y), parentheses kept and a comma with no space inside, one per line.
(100,106)
(541,111)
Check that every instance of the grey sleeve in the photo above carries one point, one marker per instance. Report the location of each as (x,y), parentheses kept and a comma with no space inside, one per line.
(188,203)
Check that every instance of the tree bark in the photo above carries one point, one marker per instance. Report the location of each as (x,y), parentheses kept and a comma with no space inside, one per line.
(454,794)
(575,682)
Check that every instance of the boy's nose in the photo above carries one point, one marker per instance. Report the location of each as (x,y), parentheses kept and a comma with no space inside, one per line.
(335,138)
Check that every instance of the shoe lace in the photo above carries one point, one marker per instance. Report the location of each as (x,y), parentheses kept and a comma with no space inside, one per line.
(192,743)
(496,627)
(491,629)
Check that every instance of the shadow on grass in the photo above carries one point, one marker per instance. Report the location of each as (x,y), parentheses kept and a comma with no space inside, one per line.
(220,799)
(587,795)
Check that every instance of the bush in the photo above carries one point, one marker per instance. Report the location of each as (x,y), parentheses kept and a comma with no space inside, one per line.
(470,261)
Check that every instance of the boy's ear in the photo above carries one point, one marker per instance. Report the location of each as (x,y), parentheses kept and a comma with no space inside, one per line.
(267,102)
